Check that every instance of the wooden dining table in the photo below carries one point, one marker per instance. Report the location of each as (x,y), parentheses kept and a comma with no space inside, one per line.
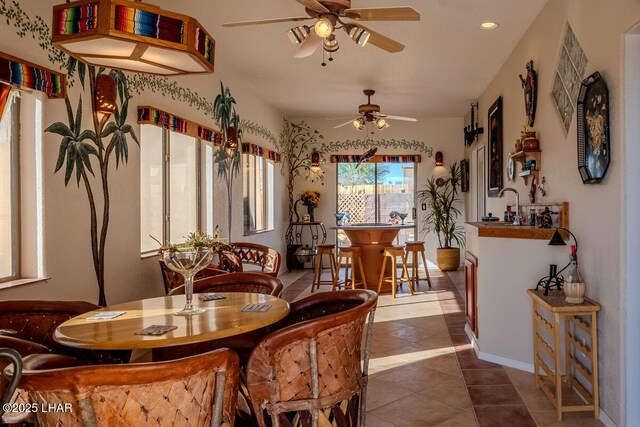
(372,239)
(222,318)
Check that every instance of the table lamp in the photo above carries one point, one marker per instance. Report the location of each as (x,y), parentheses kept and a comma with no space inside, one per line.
(554,276)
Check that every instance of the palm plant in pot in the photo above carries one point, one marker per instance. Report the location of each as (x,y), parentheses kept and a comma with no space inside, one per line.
(441,197)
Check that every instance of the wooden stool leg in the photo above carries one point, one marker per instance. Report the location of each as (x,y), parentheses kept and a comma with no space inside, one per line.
(394,273)
(334,270)
(364,279)
(335,283)
(317,273)
(353,274)
(415,271)
(405,272)
(426,269)
(384,265)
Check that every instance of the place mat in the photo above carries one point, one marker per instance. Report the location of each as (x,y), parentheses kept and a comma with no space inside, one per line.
(105,315)
(211,297)
(156,330)
(253,308)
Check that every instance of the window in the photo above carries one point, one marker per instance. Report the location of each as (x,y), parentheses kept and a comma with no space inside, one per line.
(169,186)
(9,194)
(258,176)
(21,227)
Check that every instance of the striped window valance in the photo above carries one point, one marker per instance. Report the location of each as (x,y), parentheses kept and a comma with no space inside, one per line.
(18,72)
(256,150)
(383,158)
(148,115)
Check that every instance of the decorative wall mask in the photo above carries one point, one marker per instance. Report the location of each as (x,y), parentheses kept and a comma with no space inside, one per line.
(594,145)
(530,86)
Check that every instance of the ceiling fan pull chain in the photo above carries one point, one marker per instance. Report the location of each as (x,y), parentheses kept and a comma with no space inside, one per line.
(324,64)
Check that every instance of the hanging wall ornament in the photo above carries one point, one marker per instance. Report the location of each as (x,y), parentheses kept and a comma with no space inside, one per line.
(530,86)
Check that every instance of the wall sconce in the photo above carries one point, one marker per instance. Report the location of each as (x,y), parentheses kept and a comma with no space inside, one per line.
(105,94)
(472,131)
(232,139)
(439,158)
(315,161)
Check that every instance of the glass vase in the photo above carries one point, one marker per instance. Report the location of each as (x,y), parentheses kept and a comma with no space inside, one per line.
(310,212)
(188,261)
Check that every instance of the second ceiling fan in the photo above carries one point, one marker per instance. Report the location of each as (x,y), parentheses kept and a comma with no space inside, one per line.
(370,113)
(332,15)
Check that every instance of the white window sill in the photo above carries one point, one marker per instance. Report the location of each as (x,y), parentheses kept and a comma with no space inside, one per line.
(147,255)
(24,281)
(254,233)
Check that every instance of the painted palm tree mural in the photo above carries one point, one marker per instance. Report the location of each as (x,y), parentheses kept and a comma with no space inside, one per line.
(81,149)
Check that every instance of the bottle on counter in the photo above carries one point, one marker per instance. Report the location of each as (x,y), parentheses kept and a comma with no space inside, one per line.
(532,217)
(574,286)
(506,216)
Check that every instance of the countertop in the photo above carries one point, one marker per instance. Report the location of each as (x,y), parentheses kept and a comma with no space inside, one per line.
(508,231)
(372,226)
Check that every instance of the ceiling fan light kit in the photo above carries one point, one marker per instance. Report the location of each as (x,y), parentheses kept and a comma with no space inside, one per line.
(382,123)
(359,123)
(358,34)
(132,36)
(299,34)
(324,27)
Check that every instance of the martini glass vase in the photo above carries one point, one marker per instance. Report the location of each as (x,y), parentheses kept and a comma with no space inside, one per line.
(188,261)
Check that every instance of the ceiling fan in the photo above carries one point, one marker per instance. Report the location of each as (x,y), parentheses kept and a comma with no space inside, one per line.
(331,15)
(370,113)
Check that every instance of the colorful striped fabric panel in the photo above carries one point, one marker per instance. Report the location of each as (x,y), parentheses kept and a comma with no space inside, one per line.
(210,135)
(256,150)
(15,72)
(142,23)
(77,19)
(355,158)
(204,44)
(162,119)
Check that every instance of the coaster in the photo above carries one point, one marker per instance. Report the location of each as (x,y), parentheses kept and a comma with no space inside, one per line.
(156,330)
(103,315)
(211,297)
(256,308)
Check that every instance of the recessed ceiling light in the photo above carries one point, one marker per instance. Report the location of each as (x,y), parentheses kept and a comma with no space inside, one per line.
(489,25)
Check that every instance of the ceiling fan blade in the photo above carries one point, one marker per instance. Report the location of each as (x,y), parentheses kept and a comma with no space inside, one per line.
(344,124)
(266,21)
(384,14)
(383,42)
(404,119)
(314,5)
(342,118)
(309,46)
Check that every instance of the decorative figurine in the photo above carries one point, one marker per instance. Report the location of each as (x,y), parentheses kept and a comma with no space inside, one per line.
(367,156)
(545,218)
(530,86)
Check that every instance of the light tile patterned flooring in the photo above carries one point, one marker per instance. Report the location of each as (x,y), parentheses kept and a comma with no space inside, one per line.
(423,371)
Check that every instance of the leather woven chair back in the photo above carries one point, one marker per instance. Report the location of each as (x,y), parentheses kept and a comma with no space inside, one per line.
(316,363)
(36,321)
(253,282)
(194,391)
(262,256)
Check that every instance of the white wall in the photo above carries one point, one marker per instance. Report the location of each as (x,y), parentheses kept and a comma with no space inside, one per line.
(443,134)
(67,247)
(596,212)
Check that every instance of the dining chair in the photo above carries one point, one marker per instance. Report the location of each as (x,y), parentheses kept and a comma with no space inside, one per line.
(267,259)
(312,366)
(12,357)
(195,391)
(252,282)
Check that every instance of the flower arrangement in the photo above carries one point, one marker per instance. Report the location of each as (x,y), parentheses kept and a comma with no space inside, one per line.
(196,240)
(310,198)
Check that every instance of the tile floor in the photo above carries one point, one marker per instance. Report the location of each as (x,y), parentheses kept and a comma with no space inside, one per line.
(423,371)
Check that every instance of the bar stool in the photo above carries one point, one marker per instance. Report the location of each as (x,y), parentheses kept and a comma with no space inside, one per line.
(324,250)
(351,257)
(417,248)
(394,252)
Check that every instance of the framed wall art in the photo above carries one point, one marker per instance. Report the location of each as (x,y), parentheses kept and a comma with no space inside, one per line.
(495,149)
(464,175)
(594,145)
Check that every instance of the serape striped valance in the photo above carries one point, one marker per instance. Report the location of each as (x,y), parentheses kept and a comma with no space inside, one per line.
(22,73)
(78,19)
(383,158)
(256,150)
(148,115)
(148,24)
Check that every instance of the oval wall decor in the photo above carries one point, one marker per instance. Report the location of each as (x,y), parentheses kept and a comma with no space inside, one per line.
(594,145)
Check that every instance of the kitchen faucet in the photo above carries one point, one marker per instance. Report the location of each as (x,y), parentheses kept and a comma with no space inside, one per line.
(516,220)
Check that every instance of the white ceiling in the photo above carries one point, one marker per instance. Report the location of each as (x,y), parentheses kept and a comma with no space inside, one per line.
(447,63)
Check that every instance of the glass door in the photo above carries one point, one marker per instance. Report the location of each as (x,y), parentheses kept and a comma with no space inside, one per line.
(396,197)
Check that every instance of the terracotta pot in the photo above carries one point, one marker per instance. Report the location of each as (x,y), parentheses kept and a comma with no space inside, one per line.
(574,292)
(448,259)
(530,141)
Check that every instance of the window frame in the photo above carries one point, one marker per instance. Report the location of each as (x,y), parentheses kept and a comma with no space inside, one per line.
(267,193)
(14,156)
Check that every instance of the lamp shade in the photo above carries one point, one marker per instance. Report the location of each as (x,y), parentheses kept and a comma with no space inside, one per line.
(105,97)
(439,158)
(132,36)
(556,239)
(232,139)
(315,161)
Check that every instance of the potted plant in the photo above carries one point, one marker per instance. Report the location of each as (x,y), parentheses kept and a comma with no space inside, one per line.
(441,197)
(310,199)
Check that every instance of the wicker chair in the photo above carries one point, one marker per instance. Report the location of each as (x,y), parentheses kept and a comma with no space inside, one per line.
(252,282)
(14,358)
(195,391)
(263,256)
(312,367)
(172,279)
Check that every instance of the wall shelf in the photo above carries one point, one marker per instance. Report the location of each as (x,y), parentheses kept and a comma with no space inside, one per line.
(521,157)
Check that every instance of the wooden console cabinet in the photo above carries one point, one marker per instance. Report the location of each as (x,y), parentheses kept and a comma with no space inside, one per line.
(471,291)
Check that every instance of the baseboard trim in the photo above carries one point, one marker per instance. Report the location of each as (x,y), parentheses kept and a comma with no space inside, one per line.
(606,420)
(523,366)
